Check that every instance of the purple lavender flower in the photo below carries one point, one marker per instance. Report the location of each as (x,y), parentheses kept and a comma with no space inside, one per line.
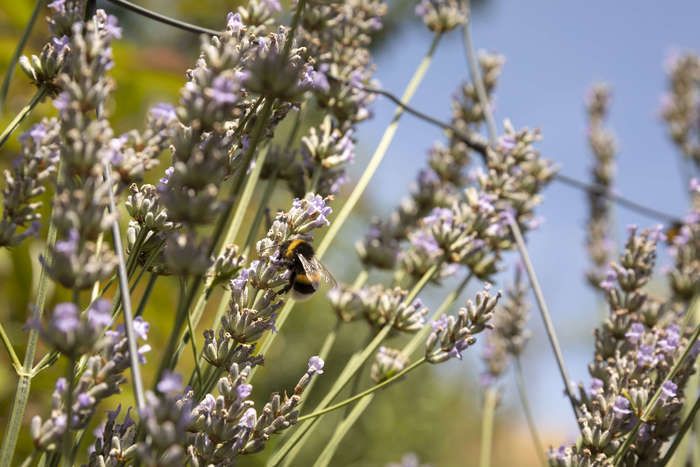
(171,383)
(316,364)
(244,390)
(163,111)
(609,282)
(621,407)
(59,6)
(234,23)
(70,245)
(645,356)
(111,27)
(224,90)
(65,317)
(249,418)
(99,314)
(668,390)
(596,387)
(635,333)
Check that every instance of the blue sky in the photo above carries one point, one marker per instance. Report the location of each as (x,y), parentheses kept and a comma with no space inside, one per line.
(554,51)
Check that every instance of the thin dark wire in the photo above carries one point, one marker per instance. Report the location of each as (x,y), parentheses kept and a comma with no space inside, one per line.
(474,141)
(164,19)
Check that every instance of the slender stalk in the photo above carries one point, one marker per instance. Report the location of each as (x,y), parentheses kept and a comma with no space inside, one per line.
(38,6)
(544,312)
(125,299)
(96,286)
(66,454)
(364,393)
(475,74)
(193,342)
(292,446)
(490,401)
(146,294)
(341,430)
(16,363)
(532,426)
(685,426)
(12,126)
(296,440)
(19,404)
(651,405)
(325,350)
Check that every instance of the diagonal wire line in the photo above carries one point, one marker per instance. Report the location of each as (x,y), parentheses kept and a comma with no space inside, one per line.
(474,141)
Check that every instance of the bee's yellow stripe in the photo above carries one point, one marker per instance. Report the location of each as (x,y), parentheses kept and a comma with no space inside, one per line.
(303,279)
(293,245)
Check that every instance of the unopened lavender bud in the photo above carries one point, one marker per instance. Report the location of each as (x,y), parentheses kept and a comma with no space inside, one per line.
(346,303)
(441,15)
(387,363)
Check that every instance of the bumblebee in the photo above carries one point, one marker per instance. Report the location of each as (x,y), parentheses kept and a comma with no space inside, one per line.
(305,270)
(673,231)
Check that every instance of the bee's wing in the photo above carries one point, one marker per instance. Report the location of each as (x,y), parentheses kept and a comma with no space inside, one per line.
(314,266)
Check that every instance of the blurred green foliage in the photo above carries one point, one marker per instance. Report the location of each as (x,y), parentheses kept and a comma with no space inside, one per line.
(434,416)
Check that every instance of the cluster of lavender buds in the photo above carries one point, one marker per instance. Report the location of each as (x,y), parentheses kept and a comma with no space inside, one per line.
(452,335)
(215,430)
(442,15)
(114,442)
(439,185)
(334,38)
(26,180)
(387,363)
(379,306)
(680,107)
(635,349)
(684,276)
(43,70)
(602,144)
(81,200)
(509,335)
(105,358)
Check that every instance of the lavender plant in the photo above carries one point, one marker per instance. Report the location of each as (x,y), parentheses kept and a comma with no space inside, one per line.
(200,223)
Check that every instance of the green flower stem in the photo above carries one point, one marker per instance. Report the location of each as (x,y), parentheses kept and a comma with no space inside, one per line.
(490,401)
(66,454)
(522,392)
(96,286)
(16,363)
(408,350)
(296,440)
(38,7)
(146,294)
(651,405)
(125,295)
(342,429)
(475,73)
(12,126)
(544,311)
(19,404)
(364,393)
(685,426)
(326,347)
(293,445)
(362,184)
